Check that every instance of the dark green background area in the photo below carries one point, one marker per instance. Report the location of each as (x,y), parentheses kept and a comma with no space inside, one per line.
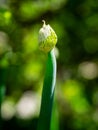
(76,25)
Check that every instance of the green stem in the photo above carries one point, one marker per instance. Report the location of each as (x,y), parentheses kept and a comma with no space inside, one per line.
(48,93)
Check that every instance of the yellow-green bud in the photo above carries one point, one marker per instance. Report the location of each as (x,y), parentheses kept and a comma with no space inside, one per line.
(47,38)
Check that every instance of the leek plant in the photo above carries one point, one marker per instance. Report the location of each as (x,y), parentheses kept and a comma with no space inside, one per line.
(47,41)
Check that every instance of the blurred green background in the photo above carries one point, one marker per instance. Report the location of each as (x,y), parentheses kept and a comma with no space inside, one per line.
(76,93)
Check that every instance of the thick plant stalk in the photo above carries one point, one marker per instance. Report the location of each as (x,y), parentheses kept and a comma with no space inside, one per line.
(48,93)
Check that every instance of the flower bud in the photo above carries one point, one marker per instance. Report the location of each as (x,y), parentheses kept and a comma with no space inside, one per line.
(47,38)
